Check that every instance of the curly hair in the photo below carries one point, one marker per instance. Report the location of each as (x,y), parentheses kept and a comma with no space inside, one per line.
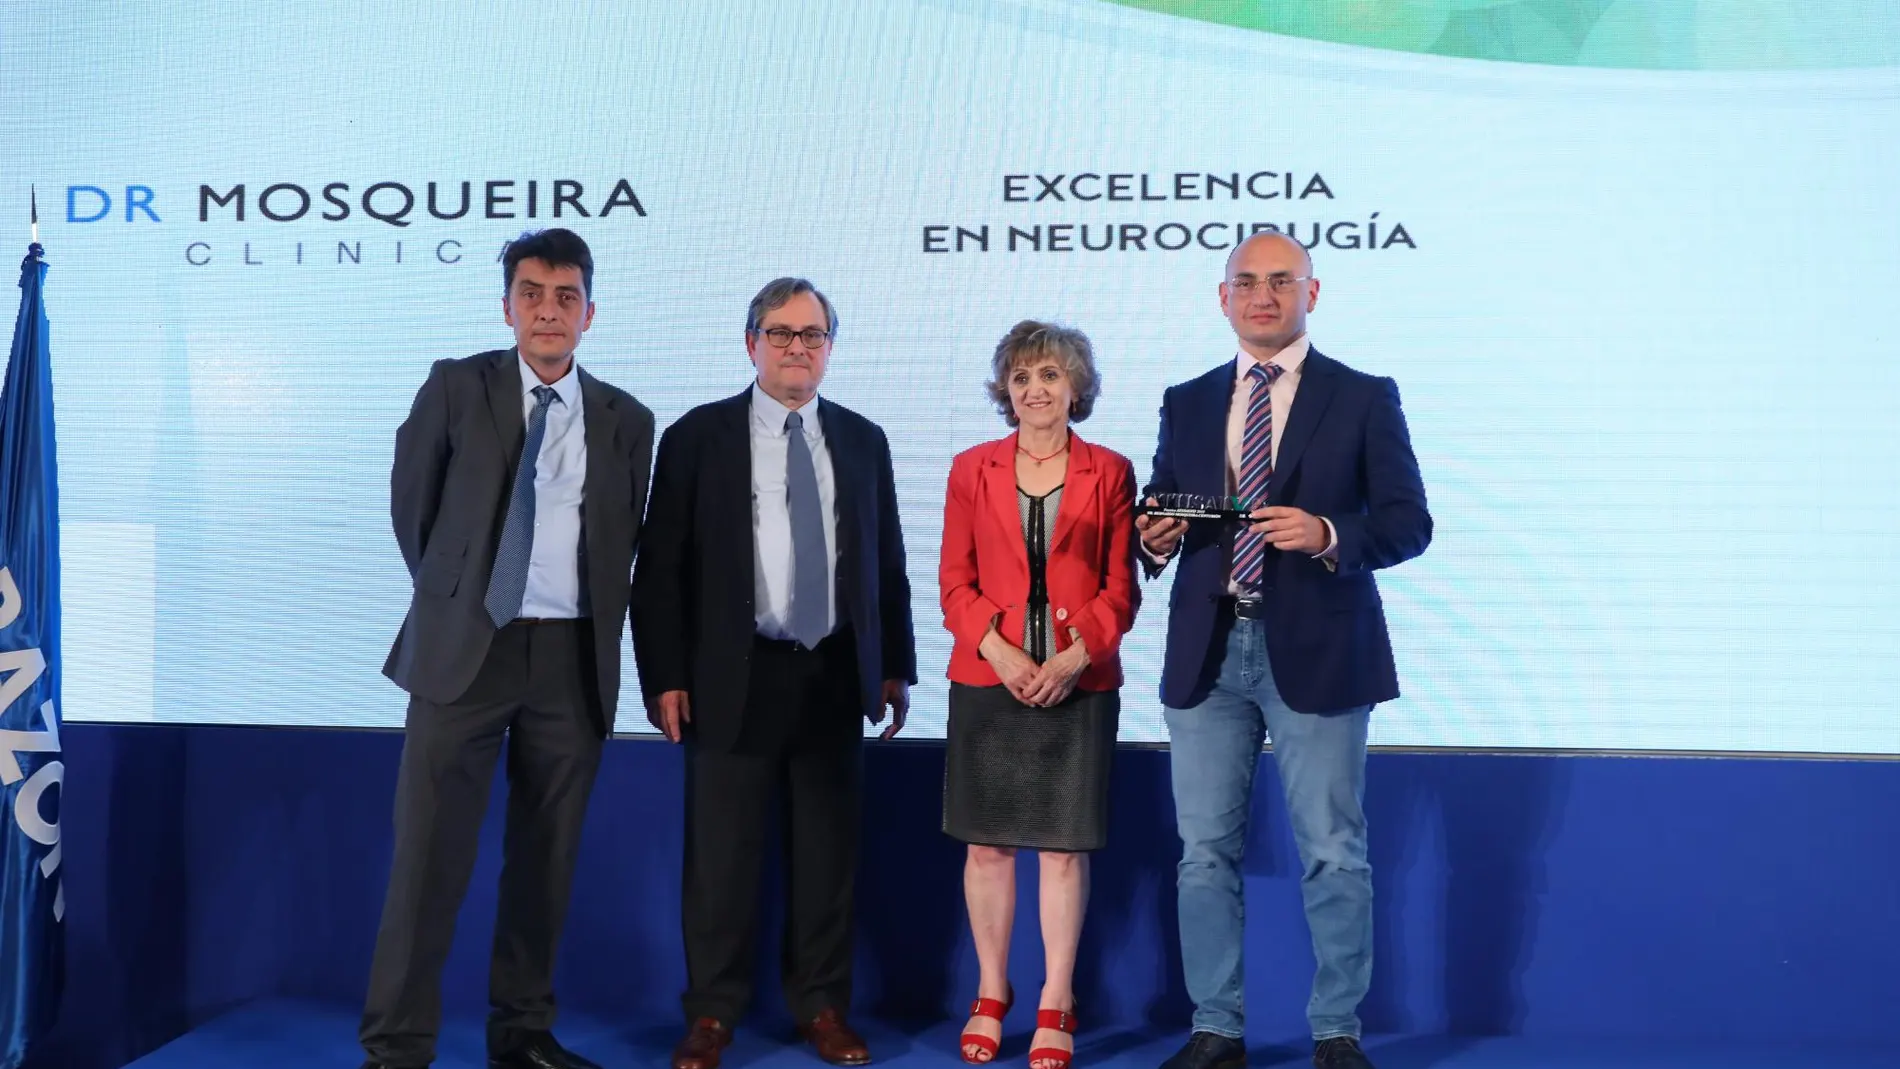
(1031,342)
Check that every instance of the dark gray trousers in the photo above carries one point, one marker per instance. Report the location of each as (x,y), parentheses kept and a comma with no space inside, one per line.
(536,689)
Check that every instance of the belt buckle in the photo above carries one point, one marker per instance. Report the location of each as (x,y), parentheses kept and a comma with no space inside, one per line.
(1247,608)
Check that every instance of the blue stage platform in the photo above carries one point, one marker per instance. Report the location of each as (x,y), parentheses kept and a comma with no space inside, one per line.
(224,887)
(300,1035)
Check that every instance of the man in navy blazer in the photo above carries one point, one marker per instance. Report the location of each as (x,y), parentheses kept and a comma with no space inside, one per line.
(1275,630)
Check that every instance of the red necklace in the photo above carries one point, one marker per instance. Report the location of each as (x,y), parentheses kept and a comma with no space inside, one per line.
(1043,460)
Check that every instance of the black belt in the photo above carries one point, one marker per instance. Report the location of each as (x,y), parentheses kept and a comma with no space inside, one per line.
(792,645)
(542,621)
(1244,608)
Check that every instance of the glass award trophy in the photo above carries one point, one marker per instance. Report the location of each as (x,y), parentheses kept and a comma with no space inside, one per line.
(1195,508)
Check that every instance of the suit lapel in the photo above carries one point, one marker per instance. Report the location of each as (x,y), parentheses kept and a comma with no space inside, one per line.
(606,471)
(1202,467)
(603,457)
(1079,487)
(999,487)
(1205,440)
(734,476)
(847,473)
(504,404)
(1317,383)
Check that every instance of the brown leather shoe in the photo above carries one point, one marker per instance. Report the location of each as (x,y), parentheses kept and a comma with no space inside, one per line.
(700,1049)
(835,1041)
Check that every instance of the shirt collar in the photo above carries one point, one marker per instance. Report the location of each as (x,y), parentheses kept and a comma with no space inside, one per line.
(567,387)
(1289,359)
(769,414)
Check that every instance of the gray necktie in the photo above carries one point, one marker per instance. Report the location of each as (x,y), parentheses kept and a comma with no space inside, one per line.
(508,582)
(810,579)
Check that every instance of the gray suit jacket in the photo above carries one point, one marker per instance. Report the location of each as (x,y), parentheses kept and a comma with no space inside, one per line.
(448,495)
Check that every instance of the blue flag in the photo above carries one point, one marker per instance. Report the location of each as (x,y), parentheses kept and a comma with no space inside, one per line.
(32,904)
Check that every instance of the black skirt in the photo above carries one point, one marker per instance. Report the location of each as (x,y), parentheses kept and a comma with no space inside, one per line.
(1017,775)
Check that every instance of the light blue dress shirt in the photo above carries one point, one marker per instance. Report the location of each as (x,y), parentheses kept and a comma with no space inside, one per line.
(560,477)
(772,514)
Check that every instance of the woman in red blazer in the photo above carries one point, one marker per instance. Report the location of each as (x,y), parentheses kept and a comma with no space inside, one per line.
(1038,580)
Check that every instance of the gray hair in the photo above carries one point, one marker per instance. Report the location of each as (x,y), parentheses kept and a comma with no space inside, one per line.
(780,290)
(1031,342)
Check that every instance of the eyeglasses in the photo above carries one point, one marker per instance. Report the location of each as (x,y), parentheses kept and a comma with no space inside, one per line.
(781,337)
(1245,285)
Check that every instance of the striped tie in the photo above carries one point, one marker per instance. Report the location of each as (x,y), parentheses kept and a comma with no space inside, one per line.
(1256,469)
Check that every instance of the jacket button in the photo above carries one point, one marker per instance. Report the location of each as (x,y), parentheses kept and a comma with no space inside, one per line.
(1062,614)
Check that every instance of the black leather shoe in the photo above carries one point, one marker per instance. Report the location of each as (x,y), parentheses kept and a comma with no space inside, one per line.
(1340,1052)
(539,1051)
(1209,1050)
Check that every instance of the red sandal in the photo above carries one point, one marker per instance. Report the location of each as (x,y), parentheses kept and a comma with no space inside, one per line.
(1053,1057)
(995,1011)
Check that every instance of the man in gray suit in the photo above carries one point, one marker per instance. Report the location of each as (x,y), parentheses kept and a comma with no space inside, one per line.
(517,493)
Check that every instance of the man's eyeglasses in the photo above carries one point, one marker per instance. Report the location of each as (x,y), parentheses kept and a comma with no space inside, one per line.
(781,337)
(1247,285)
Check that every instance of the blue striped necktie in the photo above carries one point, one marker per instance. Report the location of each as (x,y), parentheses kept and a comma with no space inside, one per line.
(1256,470)
(508,582)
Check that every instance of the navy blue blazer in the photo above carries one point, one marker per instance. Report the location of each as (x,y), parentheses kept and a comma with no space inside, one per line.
(1345,454)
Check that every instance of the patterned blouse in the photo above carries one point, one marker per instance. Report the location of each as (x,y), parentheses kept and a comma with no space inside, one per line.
(1038,521)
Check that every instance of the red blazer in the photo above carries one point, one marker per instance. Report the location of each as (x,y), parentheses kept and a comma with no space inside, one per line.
(984,568)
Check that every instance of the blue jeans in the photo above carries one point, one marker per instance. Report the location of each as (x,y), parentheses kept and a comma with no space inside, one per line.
(1214,748)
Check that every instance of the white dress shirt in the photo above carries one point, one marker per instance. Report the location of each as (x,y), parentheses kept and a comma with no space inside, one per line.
(560,476)
(772,514)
